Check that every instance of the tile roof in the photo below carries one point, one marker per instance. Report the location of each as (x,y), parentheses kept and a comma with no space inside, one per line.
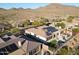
(32,45)
(43,31)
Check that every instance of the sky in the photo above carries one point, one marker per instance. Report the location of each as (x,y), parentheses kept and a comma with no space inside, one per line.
(30,5)
(23,5)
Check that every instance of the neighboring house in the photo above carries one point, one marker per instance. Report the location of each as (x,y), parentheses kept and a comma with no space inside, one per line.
(9,44)
(12,45)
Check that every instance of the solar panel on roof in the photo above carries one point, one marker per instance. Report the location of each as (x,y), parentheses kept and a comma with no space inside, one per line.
(6,39)
(8,49)
(13,47)
(3,51)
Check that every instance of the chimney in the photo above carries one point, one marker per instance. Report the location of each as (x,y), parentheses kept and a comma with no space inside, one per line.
(19,43)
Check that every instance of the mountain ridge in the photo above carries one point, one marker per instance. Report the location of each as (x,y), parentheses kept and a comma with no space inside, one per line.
(48,11)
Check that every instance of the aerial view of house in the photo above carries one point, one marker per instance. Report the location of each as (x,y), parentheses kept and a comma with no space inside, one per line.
(39,29)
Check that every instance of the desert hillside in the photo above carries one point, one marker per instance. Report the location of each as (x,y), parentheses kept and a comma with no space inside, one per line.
(49,11)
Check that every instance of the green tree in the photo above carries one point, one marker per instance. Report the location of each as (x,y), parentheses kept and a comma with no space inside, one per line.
(35,23)
(53,43)
(14,30)
(44,19)
(38,23)
(70,18)
(77,51)
(66,51)
(63,51)
(26,23)
(62,25)
(75,31)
